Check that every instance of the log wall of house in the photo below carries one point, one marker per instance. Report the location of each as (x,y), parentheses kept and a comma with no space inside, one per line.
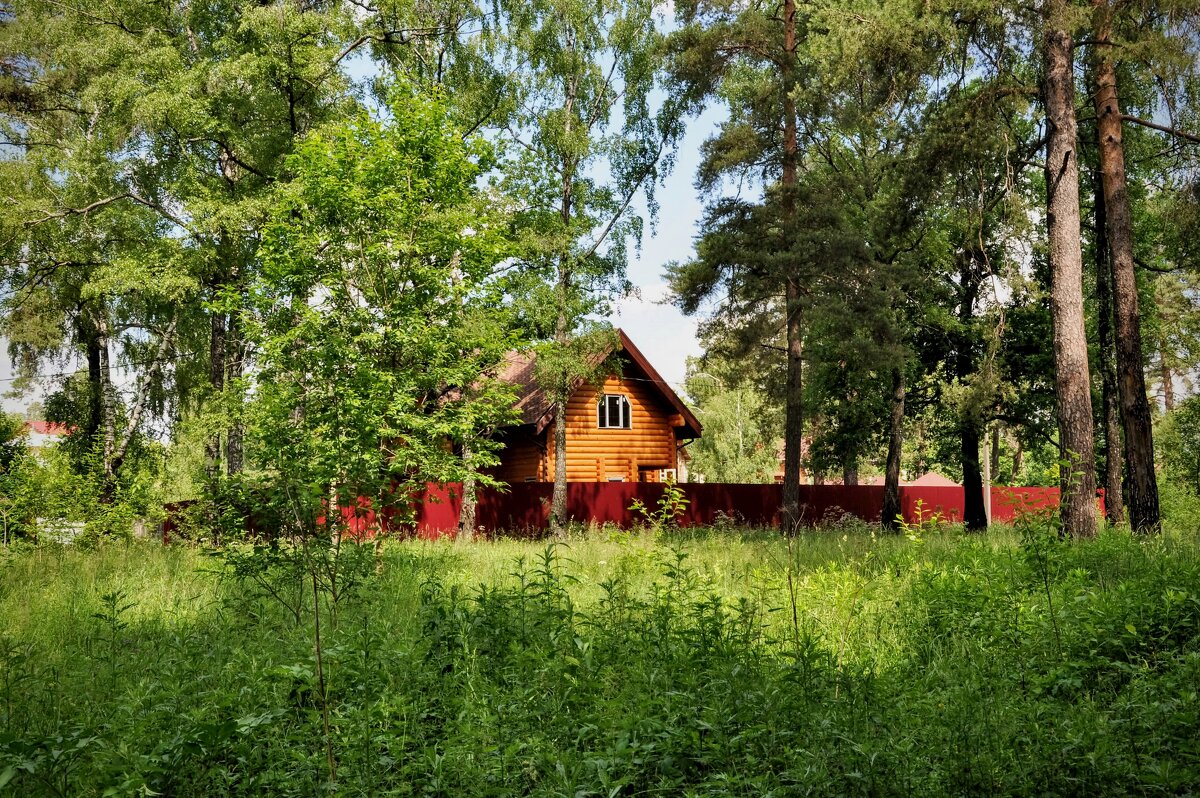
(523,458)
(631,455)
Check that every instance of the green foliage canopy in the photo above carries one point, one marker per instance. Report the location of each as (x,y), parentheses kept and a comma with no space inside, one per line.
(375,315)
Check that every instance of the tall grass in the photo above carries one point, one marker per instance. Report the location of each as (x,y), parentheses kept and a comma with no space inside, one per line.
(709,662)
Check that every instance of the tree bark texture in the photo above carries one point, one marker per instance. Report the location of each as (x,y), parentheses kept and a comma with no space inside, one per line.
(216,380)
(849,472)
(235,349)
(466,517)
(974,512)
(108,402)
(87,331)
(891,478)
(1167,377)
(793,422)
(1072,386)
(1142,497)
(558,501)
(1114,502)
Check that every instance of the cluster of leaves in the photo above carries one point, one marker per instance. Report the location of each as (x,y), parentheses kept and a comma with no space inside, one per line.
(375,317)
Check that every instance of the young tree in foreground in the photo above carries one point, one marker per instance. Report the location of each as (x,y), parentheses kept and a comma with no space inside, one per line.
(372,316)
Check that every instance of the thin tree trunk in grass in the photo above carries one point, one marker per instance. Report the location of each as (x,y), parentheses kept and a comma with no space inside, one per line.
(793,423)
(1142,498)
(235,351)
(974,512)
(95,394)
(558,502)
(1072,386)
(216,379)
(995,464)
(849,472)
(108,403)
(891,478)
(466,517)
(1114,502)
(1018,462)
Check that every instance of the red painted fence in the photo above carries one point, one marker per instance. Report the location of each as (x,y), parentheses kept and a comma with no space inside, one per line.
(525,508)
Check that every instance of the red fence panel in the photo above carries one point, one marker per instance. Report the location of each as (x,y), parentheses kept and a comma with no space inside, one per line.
(923,503)
(525,507)
(1008,503)
(708,503)
(825,503)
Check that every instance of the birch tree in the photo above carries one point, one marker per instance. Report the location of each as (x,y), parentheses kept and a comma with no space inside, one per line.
(587,141)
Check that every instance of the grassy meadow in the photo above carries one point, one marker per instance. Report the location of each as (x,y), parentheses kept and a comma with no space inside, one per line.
(712,662)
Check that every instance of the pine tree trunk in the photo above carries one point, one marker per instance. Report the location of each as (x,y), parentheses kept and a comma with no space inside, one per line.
(793,423)
(1114,502)
(1073,397)
(1142,498)
(891,479)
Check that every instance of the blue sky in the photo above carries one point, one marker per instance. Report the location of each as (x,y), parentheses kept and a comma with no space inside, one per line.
(665,335)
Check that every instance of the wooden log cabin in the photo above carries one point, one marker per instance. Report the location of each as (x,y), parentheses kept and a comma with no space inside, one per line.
(630,428)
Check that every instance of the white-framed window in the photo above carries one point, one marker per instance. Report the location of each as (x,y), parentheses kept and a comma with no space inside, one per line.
(612,412)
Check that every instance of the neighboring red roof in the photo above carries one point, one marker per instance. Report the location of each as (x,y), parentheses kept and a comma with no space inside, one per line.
(537,409)
(47,427)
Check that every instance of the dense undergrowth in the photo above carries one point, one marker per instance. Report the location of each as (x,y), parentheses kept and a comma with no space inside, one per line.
(712,663)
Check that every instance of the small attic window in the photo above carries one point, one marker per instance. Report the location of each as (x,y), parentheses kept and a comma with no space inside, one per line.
(612,412)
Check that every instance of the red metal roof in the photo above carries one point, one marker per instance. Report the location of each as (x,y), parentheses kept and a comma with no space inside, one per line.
(47,428)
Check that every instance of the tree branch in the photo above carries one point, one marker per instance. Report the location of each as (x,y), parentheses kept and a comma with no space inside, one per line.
(1163,128)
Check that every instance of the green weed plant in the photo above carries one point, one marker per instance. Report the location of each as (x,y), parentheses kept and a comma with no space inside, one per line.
(712,662)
